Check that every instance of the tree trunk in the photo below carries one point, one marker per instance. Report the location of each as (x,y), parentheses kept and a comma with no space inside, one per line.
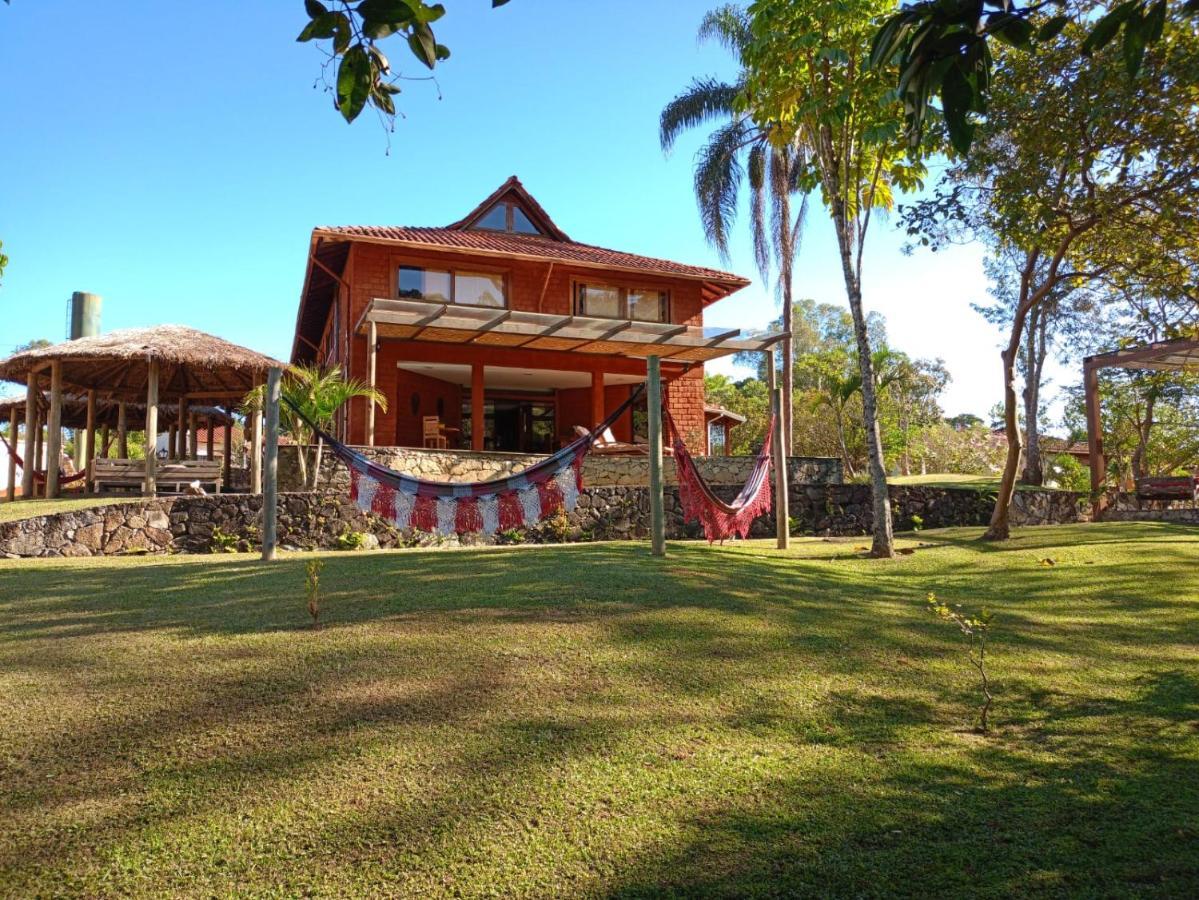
(844,447)
(316,468)
(999,529)
(302,456)
(788,369)
(1034,365)
(1139,468)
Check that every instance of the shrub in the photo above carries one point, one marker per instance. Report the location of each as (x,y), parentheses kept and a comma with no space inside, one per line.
(312,583)
(222,542)
(510,536)
(976,630)
(351,540)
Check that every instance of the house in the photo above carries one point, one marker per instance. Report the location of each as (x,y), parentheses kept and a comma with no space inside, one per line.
(720,423)
(501,333)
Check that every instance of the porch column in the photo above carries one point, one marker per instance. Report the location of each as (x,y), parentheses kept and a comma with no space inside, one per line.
(90,451)
(150,478)
(657,505)
(30,439)
(10,492)
(372,353)
(597,398)
(122,431)
(54,431)
(477,425)
(1090,380)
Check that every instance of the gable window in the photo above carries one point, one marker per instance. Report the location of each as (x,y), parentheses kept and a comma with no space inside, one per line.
(506,217)
(610,302)
(443,286)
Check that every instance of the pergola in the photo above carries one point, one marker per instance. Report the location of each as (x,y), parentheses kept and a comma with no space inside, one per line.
(1163,356)
(126,375)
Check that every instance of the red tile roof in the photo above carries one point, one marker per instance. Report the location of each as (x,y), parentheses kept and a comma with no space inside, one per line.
(504,243)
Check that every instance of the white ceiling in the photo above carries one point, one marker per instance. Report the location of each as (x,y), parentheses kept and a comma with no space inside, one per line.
(501,378)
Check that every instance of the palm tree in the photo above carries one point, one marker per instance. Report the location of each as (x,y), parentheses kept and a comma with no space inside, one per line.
(835,391)
(318,394)
(738,148)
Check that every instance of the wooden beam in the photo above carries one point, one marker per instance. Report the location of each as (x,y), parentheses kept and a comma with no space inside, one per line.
(150,478)
(270,493)
(90,445)
(489,325)
(10,490)
(54,431)
(657,502)
(30,438)
(544,285)
(477,390)
(372,361)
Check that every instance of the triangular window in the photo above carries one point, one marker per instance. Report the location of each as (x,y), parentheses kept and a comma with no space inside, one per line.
(506,216)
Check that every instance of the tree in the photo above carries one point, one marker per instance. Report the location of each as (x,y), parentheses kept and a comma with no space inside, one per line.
(318,394)
(807,85)
(944,50)
(773,168)
(1080,172)
(748,397)
(355,29)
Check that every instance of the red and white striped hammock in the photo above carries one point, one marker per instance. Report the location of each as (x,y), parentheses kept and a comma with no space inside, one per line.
(40,477)
(721,520)
(517,501)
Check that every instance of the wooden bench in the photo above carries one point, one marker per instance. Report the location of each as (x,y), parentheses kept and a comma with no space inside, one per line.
(1172,487)
(175,473)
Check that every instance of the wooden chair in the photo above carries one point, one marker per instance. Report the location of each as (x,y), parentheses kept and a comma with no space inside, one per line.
(433,433)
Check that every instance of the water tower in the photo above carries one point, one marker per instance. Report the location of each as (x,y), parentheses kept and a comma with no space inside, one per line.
(85,322)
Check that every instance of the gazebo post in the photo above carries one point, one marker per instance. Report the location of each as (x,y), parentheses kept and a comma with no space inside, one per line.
(210,440)
(181,430)
(105,440)
(228,451)
(193,436)
(657,504)
(256,446)
(122,431)
(10,492)
(150,479)
(372,353)
(54,431)
(30,466)
(782,502)
(90,444)
(39,449)
(270,494)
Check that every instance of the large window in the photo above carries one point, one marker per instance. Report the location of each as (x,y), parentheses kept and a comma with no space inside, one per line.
(441,286)
(506,217)
(610,302)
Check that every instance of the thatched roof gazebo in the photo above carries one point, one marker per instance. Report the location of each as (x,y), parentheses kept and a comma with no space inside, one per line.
(145,367)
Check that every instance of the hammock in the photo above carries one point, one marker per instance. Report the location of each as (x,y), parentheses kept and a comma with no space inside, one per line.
(721,520)
(40,477)
(448,508)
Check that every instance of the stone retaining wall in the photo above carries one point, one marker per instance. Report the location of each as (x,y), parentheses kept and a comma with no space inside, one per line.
(322,520)
(598,470)
(1125,507)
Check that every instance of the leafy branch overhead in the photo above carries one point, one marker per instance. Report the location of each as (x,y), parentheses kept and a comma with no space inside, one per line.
(942,49)
(354,30)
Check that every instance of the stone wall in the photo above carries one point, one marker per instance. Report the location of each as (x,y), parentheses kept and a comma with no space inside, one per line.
(598,470)
(1125,507)
(323,520)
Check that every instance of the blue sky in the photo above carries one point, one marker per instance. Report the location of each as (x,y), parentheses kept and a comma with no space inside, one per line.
(174,158)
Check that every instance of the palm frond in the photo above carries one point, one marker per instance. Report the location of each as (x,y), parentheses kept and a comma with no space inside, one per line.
(718,175)
(704,100)
(758,196)
(728,25)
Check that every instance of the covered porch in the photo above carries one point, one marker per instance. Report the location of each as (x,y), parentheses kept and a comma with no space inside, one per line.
(462,378)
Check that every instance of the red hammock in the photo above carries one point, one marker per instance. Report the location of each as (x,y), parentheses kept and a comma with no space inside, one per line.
(721,520)
(40,477)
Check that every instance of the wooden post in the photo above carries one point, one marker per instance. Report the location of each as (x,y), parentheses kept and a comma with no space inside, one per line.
(778,458)
(150,479)
(181,430)
(39,450)
(372,354)
(30,465)
(193,436)
(54,431)
(597,398)
(478,426)
(89,452)
(122,431)
(228,451)
(105,441)
(1090,380)
(10,492)
(270,483)
(210,440)
(657,503)
(255,422)
(172,430)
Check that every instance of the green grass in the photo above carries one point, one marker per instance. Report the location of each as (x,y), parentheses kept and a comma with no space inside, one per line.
(28,509)
(590,721)
(954,480)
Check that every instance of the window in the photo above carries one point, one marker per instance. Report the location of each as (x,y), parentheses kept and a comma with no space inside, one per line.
(715,438)
(609,302)
(506,217)
(424,284)
(440,286)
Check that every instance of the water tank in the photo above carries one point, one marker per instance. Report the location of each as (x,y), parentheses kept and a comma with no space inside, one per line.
(85,314)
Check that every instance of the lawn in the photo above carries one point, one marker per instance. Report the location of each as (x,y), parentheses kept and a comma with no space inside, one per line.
(590,721)
(28,509)
(956,480)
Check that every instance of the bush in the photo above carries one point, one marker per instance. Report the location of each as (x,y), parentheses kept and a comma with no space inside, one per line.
(221,542)
(1066,472)
(351,540)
